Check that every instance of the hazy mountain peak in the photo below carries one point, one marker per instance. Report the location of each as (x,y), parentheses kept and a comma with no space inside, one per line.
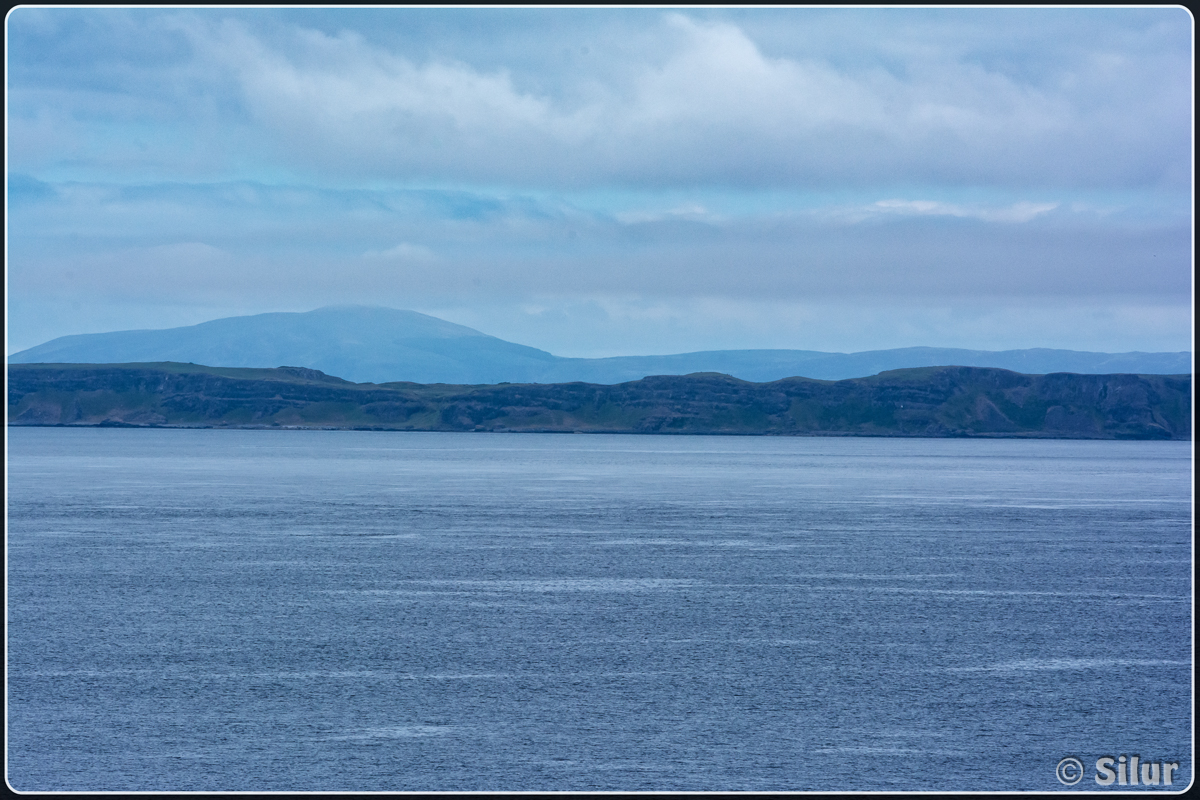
(378,345)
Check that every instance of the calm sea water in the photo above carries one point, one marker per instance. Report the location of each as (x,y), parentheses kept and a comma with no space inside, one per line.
(307,610)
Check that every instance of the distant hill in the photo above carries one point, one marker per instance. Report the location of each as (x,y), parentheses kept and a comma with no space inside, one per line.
(932,401)
(770,365)
(369,344)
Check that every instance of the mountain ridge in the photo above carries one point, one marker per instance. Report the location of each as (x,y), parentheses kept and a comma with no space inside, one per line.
(380,345)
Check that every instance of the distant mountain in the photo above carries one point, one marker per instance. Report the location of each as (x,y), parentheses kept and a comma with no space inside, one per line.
(771,365)
(359,343)
(377,345)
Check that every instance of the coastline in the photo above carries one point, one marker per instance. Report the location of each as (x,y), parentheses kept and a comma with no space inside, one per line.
(928,402)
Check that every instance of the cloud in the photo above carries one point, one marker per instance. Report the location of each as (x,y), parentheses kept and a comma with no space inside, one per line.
(630,325)
(700,101)
(258,159)
(1017,212)
(296,241)
(403,252)
(349,104)
(688,211)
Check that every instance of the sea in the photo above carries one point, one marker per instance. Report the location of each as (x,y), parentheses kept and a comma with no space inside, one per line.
(304,610)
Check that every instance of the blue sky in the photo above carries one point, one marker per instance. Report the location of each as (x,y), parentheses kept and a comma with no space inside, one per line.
(610,181)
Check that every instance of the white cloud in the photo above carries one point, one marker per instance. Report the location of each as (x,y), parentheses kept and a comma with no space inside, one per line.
(183,254)
(403,252)
(239,157)
(348,101)
(1017,212)
(687,211)
(704,104)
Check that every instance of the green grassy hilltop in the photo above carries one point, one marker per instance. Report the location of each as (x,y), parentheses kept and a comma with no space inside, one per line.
(927,401)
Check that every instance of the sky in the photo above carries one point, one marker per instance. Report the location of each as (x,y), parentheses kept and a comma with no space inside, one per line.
(599,182)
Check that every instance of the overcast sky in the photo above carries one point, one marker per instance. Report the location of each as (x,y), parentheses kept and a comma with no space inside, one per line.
(610,181)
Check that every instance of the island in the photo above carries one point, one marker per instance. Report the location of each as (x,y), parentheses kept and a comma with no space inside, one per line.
(927,401)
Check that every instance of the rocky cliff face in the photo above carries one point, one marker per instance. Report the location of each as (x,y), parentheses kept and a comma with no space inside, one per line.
(929,401)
